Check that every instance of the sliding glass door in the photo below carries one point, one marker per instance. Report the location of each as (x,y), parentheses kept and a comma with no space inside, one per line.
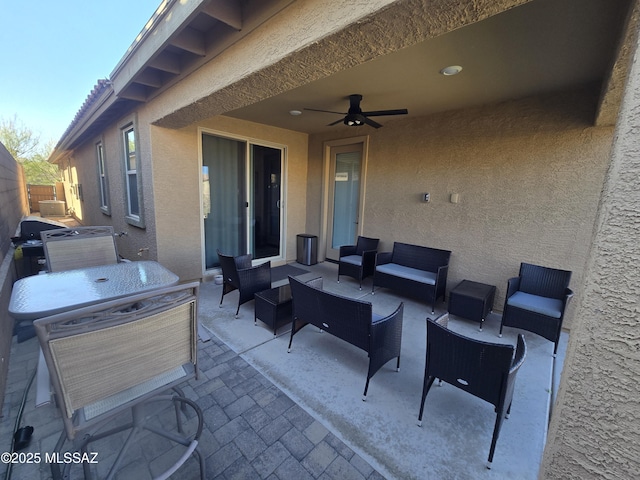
(241,197)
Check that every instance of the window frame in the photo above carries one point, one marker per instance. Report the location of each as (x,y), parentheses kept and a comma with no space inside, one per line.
(131,217)
(103,180)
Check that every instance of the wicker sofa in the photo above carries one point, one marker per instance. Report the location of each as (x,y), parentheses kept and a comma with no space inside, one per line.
(413,270)
(348,319)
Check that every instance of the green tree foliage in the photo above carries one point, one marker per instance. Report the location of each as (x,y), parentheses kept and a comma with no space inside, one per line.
(25,146)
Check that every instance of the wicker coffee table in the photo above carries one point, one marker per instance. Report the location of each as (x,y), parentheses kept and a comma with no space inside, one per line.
(472,300)
(273,307)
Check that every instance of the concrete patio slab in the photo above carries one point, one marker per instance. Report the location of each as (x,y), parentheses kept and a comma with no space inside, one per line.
(326,377)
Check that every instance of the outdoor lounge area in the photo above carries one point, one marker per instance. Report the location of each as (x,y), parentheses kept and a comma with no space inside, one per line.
(502,132)
(272,414)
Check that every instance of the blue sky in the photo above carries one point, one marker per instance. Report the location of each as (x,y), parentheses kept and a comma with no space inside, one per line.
(53,52)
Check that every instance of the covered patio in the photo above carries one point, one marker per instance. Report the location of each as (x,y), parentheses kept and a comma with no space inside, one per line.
(546,174)
(300,413)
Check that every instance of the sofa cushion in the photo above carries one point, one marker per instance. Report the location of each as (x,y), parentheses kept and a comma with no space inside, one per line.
(550,307)
(408,272)
(352,259)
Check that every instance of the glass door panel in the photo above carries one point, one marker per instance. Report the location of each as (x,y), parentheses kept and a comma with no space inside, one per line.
(241,199)
(346,197)
(266,190)
(224,197)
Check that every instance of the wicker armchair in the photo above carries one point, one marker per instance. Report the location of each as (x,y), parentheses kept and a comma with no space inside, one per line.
(485,370)
(536,301)
(359,260)
(122,355)
(350,320)
(238,274)
(79,247)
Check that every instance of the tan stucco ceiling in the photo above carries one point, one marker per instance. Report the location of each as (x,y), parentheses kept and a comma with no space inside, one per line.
(539,47)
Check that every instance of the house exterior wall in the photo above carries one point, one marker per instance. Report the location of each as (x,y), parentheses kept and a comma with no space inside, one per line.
(13,206)
(80,170)
(595,432)
(176,165)
(169,162)
(528,173)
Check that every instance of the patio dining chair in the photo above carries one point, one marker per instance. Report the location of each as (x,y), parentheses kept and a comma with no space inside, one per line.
(238,274)
(485,370)
(536,301)
(109,361)
(79,247)
(359,260)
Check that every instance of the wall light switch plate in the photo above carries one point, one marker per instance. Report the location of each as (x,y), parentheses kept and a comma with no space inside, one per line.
(426,197)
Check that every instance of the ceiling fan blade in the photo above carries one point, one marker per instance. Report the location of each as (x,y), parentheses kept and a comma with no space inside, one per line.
(371,123)
(336,122)
(379,113)
(324,111)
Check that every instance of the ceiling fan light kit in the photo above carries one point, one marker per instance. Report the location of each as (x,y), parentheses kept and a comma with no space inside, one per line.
(353,120)
(355,117)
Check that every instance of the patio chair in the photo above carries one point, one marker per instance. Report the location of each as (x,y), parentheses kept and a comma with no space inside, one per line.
(79,247)
(238,274)
(536,301)
(359,260)
(117,357)
(485,370)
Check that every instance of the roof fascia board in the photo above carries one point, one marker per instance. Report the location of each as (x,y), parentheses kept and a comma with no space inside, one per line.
(156,36)
(261,13)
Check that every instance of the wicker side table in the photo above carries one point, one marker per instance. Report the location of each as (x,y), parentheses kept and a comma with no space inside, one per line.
(273,307)
(472,300)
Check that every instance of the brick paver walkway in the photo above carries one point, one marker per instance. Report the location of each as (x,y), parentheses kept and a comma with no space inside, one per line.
(252,429)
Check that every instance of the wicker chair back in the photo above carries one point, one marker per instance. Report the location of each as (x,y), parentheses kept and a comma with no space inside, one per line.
(485,370)
(422,258)
(544,281)
(348,319)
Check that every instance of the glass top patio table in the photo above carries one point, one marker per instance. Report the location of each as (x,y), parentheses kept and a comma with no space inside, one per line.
(47,294)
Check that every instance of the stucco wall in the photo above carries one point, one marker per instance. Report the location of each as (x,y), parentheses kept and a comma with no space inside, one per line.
(81,168)
(13,206)
(529,175)
(595,432)
(169,164)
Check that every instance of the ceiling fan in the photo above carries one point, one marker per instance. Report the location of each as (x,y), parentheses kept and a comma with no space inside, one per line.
(356,117)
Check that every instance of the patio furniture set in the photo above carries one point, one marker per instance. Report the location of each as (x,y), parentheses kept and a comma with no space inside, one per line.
(536,301)
(113,343)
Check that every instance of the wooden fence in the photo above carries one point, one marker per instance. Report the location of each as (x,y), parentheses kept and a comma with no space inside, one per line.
(37,193)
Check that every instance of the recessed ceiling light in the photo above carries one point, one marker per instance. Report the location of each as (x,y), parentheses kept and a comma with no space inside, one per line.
(451,70)
(295,113)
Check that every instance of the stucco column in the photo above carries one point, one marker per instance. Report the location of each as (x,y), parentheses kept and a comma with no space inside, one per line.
(595,429)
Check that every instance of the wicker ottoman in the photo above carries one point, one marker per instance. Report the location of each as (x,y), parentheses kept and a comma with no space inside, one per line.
(472,300)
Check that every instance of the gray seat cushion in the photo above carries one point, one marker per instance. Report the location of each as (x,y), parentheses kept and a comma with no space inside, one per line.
(550,307)
(352,259)
(409,273)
